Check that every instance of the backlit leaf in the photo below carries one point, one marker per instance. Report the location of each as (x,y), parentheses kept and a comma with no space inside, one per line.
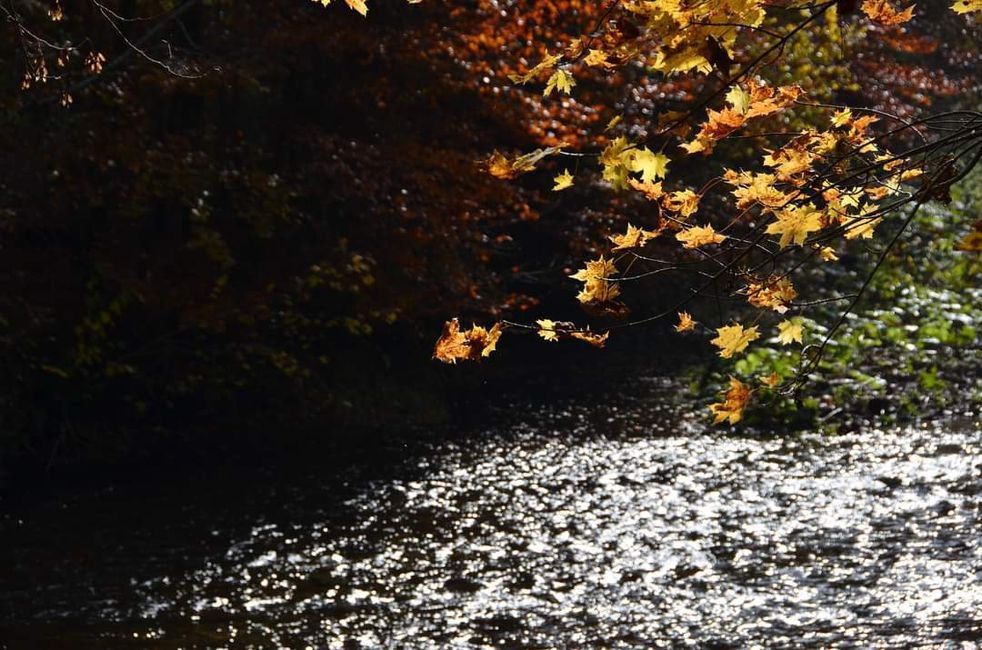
(732,339)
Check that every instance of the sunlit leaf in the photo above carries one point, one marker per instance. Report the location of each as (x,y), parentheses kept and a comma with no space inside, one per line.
(732,339)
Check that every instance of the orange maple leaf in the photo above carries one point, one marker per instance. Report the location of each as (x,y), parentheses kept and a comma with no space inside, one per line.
(884,13)
(735,401)
(471,345)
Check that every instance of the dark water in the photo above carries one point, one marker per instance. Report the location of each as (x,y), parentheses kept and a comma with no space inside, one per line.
(581,525)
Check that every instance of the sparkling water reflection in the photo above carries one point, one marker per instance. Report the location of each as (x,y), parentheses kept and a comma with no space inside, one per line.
(574,532)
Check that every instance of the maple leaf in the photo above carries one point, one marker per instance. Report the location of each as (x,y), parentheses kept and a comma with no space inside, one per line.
(685,322)
(651,191)
(549,61)
(739,99)
(861,227)
(860,125)
(772,380)
(651,165)
(753,188)
(789,331)
(357,5)
(633,238)
(790,160)
(767,101)
(547,329)
(471,345)
(774,293)
(972,241)
(719,125)
(614,159)
(499,166)
(735,401)
(731,339)
(614,121)
(884,13)
(842,118)
(596,287)
(561,81)
(966,6)
(827,254)
(699,236)
(562,181)
(795,223)
(575,49)
(596,340)
(685,202)
(598,59)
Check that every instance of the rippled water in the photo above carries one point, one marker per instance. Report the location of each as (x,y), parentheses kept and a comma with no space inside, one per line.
(620,526)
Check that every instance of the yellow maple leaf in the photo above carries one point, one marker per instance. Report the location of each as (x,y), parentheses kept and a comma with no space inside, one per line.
(884,13)
(471,345)
(827,254)
(861,227)
(595,278)
(795,223)
(651,191)
(501,167)
(790,330)
(685,322)
(842,117)
(614,121)
(614,159)
(735,401)
(651,165)
(739,99)
(731,339)
(772,380)
(685,202)
(357,5)
(753,188)
(548,61)
(562,181)
(966,6)
(633,238)
(699,236)
(547,329)
(561,81)
(597,59)
(790,161)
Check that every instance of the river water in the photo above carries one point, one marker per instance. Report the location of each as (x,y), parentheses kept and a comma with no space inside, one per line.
(621,523)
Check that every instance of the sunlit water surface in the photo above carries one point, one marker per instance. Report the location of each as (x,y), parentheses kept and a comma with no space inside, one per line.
(577,526)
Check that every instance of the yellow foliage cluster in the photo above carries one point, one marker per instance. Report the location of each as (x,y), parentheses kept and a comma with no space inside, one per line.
(596,278)
(815,189)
